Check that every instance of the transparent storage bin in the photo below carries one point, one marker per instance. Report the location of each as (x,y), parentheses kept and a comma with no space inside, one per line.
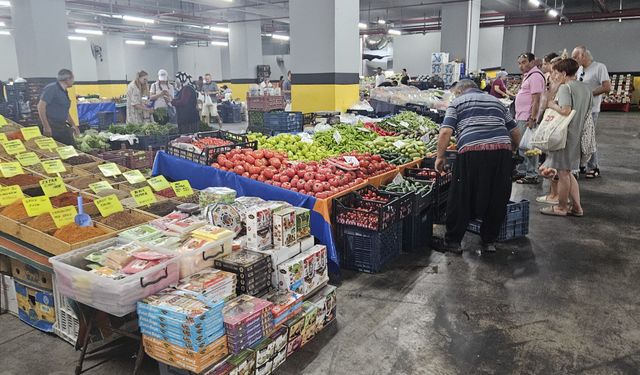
(116,297)
(196,260)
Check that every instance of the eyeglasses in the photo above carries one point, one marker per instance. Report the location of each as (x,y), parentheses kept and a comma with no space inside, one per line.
(581,76)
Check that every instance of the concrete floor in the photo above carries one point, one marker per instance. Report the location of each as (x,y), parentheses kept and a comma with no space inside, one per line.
(562,301)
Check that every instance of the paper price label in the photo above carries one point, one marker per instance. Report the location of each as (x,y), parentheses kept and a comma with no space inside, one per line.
(67,152)
(337,137)
(3,137)
(109,169)
(182,188)
(46,143)
(63,216)
(14,147)
(53,166)
(134,177)
(30,132)
(52,187)
(10,169)
(399,144)
(28,158)
(100,185)
(158,183)
(143,196)
(404,124)
(352,160)
(37,205)
(108,205)
(10,194)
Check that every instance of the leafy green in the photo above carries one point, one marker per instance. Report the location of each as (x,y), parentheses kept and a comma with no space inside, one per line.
(142,129)
(91,141)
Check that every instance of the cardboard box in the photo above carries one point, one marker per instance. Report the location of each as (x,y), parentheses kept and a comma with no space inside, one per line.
(294,332)
(310,322)
(291,274)
(307,243)
(326,302)
(29,275)
(5,265)
(8,295)
(278,256)
(259,228)
(303,223)
(284,227)
(35,307)
(315,268)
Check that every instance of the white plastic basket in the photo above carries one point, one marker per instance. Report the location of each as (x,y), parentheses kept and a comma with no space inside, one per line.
(116,297)
(67,323)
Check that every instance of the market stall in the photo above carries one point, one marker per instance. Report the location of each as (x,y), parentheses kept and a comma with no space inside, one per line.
(92,113)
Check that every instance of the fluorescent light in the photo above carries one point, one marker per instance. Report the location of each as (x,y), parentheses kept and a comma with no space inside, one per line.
(218,43)
(394,32)
(88,31)
(2,24)
(5,3)
(280,37)
(220,29)
(4,32)
(535,3)
(364,36)
(163,38)
(138,19)
(135,42)
(362,25)
(77,37)
(381,21)
(552,12)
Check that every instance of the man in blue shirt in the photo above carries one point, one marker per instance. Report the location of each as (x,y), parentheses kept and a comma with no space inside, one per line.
(53,109)
(487,137)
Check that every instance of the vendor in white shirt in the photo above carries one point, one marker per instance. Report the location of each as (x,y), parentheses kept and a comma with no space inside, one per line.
(266,84)
(380,78)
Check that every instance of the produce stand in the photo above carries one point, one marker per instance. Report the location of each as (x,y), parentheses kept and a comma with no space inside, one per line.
(618,107)
(88,113)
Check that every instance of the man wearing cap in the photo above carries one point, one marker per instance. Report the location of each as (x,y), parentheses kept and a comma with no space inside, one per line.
(53,109)
(162,93)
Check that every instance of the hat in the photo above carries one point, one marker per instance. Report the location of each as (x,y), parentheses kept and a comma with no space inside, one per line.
(162,75)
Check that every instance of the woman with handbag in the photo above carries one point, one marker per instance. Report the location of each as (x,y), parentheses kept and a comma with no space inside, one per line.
(572,96)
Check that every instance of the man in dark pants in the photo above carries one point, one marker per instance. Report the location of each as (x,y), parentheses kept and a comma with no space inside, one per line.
(487,137)
(53,109)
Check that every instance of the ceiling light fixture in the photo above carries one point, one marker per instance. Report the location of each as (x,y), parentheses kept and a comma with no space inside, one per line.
(220,29)
(5,3)
(535,3)
(552,13)
(138,19)
(77,37)
(362,25)
(280,37)
(2,24)
(135,42)
(88,31)
(219,43)
(162,38)
(381,21)
(4,32)
(394,32)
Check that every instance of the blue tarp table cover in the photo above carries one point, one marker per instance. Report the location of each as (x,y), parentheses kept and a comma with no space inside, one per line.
(201,176)
(88,112)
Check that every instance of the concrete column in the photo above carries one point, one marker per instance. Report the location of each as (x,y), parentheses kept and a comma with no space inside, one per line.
(245,54)
(42,47)
(325,54)
(461,31)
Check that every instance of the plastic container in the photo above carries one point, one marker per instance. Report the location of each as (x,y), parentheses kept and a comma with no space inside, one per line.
(368,251)
(516,224)
(266,103)
(377,217)
(230,113)
(116,297)
(196,260)
(404,202)
(283,122)
(210,154)
(417,231)
(67,325)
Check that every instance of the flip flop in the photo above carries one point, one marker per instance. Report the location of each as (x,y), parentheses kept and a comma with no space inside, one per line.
(575,214)
(595,173)
(551,211)
(545,199)
(528,181)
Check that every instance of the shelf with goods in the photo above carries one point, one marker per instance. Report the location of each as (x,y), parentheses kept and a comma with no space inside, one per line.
(620,96)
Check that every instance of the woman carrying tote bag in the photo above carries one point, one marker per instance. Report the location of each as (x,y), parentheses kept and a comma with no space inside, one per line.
(572,96)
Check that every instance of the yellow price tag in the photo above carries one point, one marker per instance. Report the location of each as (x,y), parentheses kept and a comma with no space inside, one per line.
(134,176)
(100,185)
(67,152)
(182,188)
(46,143)
(10,194)
(109,169)
(143,196)
(28,158)
(3,121)
(108,205)
(63,216)
(14,147)
(158,183)
(53,166)
(3,137)
(31,132)
(52,187)
(37,205)
(10,169)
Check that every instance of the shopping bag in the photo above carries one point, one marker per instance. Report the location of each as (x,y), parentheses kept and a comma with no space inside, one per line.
(551,134)
(588,139)
(525,141)
(207,101)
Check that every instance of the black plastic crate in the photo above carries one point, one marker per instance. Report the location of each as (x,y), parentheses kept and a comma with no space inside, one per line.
(210,154)
(105,119)
(153,142)
(366,250)
(309,118)
(283,122)
(420,200)
(230,113)
(352,210)
(256,118)
(403,202)
(417,231)
(515,225)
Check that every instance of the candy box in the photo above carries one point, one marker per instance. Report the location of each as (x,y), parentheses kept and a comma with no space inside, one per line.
(310,322)
(284,227)
(216,195)
(278,256)
(279,338)
(303,223)
(264,350)
(243,308)
(307,243)
(279,358)
(294,332)
(179,305)
(258,228)
(265,369)
(315,268)
(326,301)
(141,233)
(282,301)
(291,274)
(242,262)
(245,362)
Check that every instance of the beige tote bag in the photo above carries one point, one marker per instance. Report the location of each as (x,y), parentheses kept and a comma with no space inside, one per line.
(551,134)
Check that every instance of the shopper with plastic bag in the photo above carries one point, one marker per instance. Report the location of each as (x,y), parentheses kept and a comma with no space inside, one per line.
(162,93)
(186,103)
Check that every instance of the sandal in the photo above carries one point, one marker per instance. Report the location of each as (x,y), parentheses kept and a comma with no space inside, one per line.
(545,199)
(575,213)
(528,181)
(593,173)
(551,211)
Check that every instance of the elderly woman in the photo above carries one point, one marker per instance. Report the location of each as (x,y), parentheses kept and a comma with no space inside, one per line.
(186,104)
(137,98)
(572,95)
(498,86)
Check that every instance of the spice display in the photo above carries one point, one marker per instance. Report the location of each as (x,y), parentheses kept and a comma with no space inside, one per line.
(68,199)
(80,159)
(123,220)
(167,193)
(121,194)
(160,208)
(43,223)
(21,179)
(83,182)
(15,211)
(35,191)
(73,233)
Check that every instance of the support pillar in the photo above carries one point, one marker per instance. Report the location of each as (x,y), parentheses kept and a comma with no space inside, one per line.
(325,54)
(461,32)
(245,54)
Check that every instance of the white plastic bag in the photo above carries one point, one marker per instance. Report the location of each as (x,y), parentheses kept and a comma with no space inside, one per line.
(525,141)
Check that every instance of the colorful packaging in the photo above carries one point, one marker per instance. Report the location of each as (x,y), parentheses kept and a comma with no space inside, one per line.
(310,322)
(259,228)
(303,223)
(284,227)
(291,274)
(35,307)
(326,301)
(216,195)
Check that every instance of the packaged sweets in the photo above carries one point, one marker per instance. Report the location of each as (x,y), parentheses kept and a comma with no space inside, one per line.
(303,223)
(284,227)
(212,195)
(259,228)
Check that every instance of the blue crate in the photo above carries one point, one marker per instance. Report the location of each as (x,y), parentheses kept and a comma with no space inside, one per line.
(515,225)
(230,113)
(283,122)
(366,250)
